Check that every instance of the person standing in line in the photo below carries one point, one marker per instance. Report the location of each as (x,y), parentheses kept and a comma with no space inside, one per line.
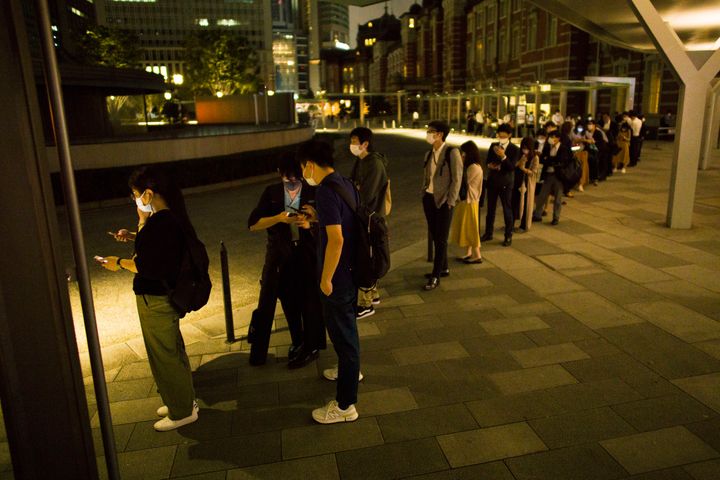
(479,122)
(465,228)
(369,175)
(636,125)
(556,155)
(163,226)
(289,272)
(501,161)
(529,166)
(622,158)
(557,118)
(338,237)
(441,186)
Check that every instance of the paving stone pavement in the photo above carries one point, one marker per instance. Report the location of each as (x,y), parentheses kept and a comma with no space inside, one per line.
(590,350)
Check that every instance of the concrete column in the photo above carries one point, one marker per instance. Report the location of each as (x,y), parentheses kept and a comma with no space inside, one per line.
(449,110)
(695,85)
(563,103)
(499,107)
(399,109)
(362,108)
(591,101)
(712,126)
(538,102)
(459,113)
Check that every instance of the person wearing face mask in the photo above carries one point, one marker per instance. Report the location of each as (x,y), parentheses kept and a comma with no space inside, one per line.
(163,226)
(502,159)
(337,241)
(441,187)
(369,175)
(527,169)
(556,155)
(289,272)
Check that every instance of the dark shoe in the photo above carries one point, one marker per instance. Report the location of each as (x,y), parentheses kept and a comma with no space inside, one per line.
(376,301)
(257,357)
(486,238)
(507,242)
(363,312)
(555,222)
(544,214)
(444,273)
(293,352)
(537,219)
(432,284)
(470,261)
(462,259)
(303,357)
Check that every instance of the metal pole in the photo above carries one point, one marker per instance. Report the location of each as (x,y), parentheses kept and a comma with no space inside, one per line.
(73,209)
(227,299)
(267,110)
(362,107)
(257,115)
(145,110)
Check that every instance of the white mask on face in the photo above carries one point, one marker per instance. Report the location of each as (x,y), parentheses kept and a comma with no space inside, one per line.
(142,207)
(430,138)
(356,150)
(310,181)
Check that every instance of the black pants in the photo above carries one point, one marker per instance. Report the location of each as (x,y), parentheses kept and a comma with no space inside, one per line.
(634,150)
(438,222)
(295,285)
(503,191)
(593,165)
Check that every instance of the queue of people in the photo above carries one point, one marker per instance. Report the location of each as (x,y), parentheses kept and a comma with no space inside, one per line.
(310,217)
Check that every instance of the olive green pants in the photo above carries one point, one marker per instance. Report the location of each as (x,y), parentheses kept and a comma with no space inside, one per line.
(166,354)
(365,297)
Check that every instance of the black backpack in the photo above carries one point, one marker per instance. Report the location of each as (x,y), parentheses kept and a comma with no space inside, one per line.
(193,285)
(371,258)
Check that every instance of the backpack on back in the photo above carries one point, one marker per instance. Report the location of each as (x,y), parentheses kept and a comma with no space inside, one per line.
(193,285)
(371,258)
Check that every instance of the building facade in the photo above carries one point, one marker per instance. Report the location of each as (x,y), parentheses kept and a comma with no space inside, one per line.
(461,46)
(163,25)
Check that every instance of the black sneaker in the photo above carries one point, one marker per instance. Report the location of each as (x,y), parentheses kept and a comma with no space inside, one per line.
(363,312)
(376,301)
(303,357)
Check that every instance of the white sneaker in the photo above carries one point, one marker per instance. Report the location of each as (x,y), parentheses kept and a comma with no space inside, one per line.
(164,411)
(623,170)
(332,374)
(581,188)
(167,424)
(331,413)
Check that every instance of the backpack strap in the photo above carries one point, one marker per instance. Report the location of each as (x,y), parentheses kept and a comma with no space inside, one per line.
(343,193)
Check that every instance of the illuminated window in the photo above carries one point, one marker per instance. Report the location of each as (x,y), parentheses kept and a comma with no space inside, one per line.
(203,22)
(227,22)
(411,23)
(77,12)
(370,24)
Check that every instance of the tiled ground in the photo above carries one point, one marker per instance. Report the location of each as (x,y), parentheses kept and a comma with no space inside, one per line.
(590,350)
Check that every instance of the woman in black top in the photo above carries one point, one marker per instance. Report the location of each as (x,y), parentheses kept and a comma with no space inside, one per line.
(159,247)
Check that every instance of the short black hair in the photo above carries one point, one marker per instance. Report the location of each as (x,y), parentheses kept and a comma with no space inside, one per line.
(505,128)
(316,151)
(288,166)
(541,133)
(363,134)
(550,124)
(589,121)
(554,133)
(441,127)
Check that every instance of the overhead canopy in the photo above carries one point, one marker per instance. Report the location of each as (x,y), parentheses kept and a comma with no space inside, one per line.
(697,22)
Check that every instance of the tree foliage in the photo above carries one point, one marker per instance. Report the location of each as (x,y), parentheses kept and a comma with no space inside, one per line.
(110,47)
(220,62)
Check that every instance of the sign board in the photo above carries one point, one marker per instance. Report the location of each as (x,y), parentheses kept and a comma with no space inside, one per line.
(521,113)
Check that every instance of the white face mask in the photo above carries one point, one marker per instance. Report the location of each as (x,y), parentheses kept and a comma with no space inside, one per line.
(504,142)
(356,150)
(142,207)
(430,138)
(310,181)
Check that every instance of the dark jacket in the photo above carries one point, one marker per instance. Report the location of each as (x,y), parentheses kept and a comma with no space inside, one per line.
(506,175)
(272,202)
(563,158)
(369,175)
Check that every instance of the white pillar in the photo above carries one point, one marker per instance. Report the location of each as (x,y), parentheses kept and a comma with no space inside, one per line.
(695,84)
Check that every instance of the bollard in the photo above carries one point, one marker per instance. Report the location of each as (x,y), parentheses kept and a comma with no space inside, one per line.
(227,300)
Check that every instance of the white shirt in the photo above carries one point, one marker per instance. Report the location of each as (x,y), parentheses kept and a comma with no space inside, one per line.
(557,119)
(433,166)
(636,125)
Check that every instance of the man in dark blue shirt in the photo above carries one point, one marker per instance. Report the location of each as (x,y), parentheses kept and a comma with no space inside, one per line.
(339,293)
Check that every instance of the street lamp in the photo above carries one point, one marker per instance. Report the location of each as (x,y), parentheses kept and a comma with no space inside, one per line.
(168,95)
(178,79)
(219,94)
